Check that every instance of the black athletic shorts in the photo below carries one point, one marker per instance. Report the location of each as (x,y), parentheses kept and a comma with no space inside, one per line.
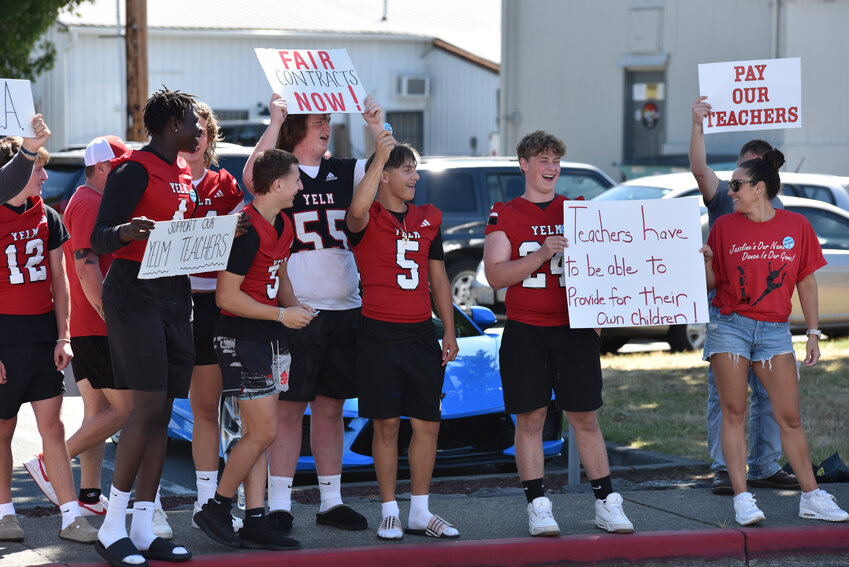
(91,361)
(150,352)
(205,314)
(251,369)
(31,376)
(324,357)
(536,360)
(399,369)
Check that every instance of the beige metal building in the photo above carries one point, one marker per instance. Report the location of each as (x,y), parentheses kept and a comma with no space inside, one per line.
(586,69)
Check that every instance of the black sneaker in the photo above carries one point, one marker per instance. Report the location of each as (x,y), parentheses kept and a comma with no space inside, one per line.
(215,521)
(342,517)
(258,533)
(722,483)
(281,520)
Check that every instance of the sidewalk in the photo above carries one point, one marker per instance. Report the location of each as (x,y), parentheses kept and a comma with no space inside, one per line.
(674,523)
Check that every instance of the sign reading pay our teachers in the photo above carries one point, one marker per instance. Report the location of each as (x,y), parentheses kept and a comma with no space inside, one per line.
(634,263)
(314,81)
(188,246)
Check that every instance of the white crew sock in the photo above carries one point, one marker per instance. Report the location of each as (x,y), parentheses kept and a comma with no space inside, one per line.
(141,528)
(419,513)
(7,509)
(114,525)
(390,509)
(70,512)
(331,491)
(207,482)
(281,493)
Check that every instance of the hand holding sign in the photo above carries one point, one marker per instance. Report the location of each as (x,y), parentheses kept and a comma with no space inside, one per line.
(42,133)
(278,110)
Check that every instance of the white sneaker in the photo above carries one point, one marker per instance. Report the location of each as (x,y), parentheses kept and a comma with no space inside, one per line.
(161,528)
(237,522)
(610,517)
(97,509)
(540,520)
(820,505)
(746,511)
(35,468)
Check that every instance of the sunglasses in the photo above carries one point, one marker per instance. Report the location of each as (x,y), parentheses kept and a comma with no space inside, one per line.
(734,184)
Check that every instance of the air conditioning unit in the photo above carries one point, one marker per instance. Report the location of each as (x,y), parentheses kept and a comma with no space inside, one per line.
(413,86)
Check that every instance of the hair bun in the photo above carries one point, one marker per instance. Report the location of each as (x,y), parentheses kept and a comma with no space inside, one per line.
(774,158)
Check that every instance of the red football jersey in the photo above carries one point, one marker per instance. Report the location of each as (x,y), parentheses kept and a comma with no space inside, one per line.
(169,195)
(218,193)
(79,218)
(262,282)
(25,286)
(539,299)
(757,264)
(394,271)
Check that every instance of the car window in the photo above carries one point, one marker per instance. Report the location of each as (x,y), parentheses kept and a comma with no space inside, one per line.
(234,166)
(62,180)
(573,184)
(631,193)
(462,325)
(450,191)
(817,192)
(832,229)
(504,186)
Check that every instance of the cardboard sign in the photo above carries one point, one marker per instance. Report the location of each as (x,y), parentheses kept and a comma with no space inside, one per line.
(634,263)
(16,108)
(314,82)
(752,95)
(188,246)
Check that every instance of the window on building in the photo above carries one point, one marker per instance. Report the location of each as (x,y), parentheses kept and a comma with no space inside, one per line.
(408,127)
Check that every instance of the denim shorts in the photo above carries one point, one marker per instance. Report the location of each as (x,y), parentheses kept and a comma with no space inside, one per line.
(756,341)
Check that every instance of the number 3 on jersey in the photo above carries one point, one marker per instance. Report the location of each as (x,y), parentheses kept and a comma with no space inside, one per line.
(555,267)
(404,280)
(271,288)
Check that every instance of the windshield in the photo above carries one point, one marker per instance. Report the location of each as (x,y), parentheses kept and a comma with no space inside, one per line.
(631,193)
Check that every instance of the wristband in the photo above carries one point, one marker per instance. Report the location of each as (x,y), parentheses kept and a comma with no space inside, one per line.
(64,341)
(29,154)
(816,332)
(280,315)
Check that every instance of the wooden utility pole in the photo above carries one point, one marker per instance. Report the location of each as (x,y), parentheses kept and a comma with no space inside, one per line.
(136,49)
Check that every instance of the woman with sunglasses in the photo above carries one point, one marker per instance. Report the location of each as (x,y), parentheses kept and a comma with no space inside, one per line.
(754,258)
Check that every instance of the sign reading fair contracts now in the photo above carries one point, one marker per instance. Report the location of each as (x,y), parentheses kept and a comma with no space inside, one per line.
(752,95)
(16,108)
(189,246)
(313,81)
(634,263)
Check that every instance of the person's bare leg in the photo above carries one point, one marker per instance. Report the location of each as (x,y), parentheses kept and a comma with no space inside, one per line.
(204,398)
(730,373)
(56,460)
(7,431)
(385,454)
(530,460)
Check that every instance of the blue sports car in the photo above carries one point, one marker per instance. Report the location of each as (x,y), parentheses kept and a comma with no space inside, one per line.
(474,430)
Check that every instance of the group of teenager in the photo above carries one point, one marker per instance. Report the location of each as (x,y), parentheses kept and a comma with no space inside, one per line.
(285,327)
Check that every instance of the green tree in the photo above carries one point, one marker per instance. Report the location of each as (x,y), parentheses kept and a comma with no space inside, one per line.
(23,23)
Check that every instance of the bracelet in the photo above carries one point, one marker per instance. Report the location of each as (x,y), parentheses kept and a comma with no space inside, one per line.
(816,332)
(280,315)
(64,341)
(29,154)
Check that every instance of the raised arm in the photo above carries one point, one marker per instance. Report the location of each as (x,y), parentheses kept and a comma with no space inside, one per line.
(357,216)
(809,300)
(373,116)
(279,112)
(705,177)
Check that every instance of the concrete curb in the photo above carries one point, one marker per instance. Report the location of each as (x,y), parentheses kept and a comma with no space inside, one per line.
(728,543)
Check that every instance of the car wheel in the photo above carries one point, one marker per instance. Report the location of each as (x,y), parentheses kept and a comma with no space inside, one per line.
(686,337)
(229,425)
(612,344)
(461,274)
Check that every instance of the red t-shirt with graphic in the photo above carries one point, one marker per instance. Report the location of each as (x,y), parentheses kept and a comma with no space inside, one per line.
(539,299)
(757,264)
(79,218)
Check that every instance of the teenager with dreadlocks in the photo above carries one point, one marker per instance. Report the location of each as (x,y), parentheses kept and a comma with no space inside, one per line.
(148,320)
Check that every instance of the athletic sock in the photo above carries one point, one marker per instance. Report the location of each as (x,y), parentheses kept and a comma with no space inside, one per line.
(207,482)
(533,489)
(222,500)
(114,525)
(70,512)
(419,513)
(254,517)
(602,487)
(281,493)
(7,509)
(90,495)
(390,509)
(331,491)
(141,528)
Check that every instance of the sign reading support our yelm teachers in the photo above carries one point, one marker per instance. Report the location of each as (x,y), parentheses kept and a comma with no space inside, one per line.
(634,263)
(189,246)
(314,81)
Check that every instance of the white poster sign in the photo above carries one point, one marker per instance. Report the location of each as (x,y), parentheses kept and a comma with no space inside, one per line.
(189,246)
(765,94)
(314,81)
(634,263)
(16,108)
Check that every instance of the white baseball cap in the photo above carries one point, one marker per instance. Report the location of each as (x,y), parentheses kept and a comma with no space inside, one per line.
(104,148)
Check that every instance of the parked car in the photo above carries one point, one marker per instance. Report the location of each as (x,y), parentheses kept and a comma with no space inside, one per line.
(831,225)
(465,189)
(243,132)
(475,428)
(66,171)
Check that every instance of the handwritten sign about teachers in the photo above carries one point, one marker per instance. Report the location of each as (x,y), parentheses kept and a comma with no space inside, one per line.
(634,263)
(752,95)
(189,246)
(314,81)
(16,108)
